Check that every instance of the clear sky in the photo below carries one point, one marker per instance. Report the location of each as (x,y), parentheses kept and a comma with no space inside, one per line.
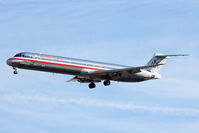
(124,32)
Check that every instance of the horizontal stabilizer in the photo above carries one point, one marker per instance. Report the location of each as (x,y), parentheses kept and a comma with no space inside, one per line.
(160,59)
(160,55)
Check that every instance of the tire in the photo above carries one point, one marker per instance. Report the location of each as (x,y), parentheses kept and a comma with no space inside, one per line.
(92,85)
(107,82)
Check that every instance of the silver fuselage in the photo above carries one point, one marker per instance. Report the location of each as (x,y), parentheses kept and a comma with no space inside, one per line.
(71,66)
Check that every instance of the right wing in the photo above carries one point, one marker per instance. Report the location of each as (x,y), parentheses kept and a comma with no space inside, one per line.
(73,79)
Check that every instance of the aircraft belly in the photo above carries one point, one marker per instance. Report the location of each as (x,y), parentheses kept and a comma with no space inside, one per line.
(130,78)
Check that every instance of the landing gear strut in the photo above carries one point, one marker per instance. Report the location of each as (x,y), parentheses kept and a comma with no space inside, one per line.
(15,71)
(92,85)
(107,82)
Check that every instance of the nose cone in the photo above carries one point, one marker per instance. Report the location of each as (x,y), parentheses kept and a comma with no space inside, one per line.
(9,62)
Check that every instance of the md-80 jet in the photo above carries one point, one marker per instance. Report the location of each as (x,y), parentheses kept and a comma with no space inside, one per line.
(91,72)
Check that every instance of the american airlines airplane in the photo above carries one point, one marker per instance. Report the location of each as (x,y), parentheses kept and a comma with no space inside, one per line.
(85,71)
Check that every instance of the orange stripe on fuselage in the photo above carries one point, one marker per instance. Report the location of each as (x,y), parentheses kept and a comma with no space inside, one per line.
(54,63)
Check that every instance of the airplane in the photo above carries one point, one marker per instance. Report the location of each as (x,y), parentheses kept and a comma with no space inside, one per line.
(91,72)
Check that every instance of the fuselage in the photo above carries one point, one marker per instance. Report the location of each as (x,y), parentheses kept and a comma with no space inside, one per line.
(71,66)
(57,64)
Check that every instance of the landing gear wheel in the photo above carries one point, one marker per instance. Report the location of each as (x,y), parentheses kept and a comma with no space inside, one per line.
(107,82)
(92,85)
(15,71)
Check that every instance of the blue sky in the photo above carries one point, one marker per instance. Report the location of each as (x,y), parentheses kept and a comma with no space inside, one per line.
(118,31)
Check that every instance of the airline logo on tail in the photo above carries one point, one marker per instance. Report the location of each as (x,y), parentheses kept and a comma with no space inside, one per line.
(154,62)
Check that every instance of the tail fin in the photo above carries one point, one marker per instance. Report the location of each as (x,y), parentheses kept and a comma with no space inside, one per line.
(159,59)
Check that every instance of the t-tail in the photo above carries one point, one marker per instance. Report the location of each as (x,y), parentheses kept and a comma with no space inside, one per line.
(160,60)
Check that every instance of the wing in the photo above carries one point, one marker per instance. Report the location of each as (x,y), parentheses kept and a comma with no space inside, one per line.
(97,76)
(115,72)
(73,79)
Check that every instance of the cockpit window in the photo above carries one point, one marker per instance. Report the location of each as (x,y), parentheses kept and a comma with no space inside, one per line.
(18,55)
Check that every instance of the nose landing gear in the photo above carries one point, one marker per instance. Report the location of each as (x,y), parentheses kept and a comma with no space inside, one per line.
(15,71)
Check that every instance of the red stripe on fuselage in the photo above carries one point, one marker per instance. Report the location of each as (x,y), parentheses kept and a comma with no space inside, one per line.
(54,63)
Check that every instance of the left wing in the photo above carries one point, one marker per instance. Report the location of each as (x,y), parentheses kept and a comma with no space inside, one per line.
(129,70)
(97,76)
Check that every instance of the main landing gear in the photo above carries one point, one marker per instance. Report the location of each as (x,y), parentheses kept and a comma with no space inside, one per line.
(15,71)
(92,84)
(107,82)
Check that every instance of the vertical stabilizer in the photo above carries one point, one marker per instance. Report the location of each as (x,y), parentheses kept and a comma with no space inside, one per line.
(159,59)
